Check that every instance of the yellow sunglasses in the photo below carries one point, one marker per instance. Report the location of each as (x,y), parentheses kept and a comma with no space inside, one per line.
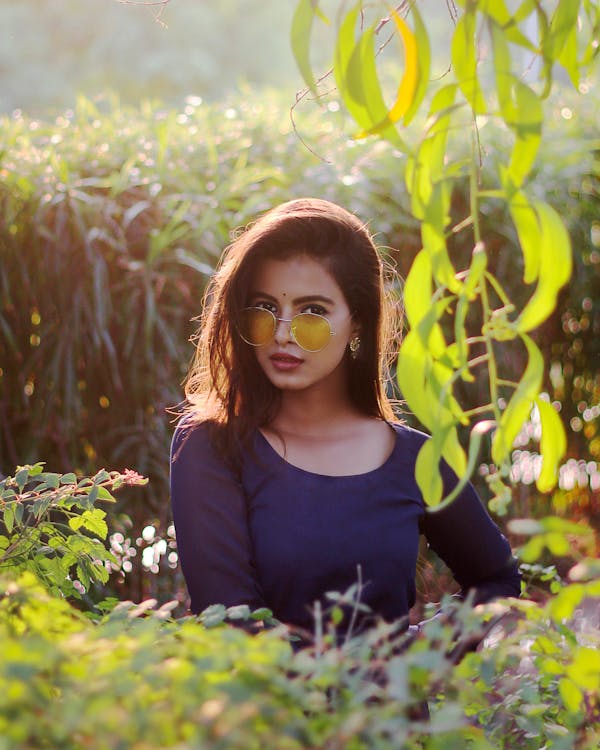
(310,331)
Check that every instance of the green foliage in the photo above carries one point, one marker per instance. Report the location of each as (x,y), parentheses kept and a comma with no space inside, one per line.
(430,364)
(136,678)
(95,321)
(51,526)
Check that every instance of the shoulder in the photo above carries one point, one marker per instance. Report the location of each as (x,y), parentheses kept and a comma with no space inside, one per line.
(190,435)
(195,458)
(408,438)
(196,443)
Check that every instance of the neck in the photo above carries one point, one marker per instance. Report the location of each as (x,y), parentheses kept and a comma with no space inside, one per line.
(313,410)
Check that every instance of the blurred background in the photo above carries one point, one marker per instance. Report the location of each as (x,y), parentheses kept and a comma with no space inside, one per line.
(133,140)
(51,52)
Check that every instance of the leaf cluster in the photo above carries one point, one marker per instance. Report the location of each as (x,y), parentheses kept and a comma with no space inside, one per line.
(134,677)
(51,525)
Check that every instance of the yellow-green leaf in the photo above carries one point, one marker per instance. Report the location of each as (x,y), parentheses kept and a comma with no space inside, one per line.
(554,271)
(497,11)
(519,406)
(413,364)
(418,289)
(300,40)
(529,233)
(410,79)
(362,85)
(92,520)
(553,445)
(571,695)
(585,669)
(9,517)
(427,473)
(424,64)
(558,544)
(427,167)
(568,57)
(566,601)
(415,78)
(464,61)
(454,455)
(527,124)
(563,21)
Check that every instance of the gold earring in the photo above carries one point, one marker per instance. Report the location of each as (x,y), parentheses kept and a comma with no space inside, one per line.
(354,346)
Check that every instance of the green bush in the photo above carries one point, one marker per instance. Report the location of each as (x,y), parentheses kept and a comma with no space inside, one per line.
(105,674)
(136,678)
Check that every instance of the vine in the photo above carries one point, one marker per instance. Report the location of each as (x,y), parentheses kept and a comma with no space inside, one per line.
(485,32)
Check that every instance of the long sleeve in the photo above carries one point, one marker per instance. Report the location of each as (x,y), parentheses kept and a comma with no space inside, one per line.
(470,543)
(209,511)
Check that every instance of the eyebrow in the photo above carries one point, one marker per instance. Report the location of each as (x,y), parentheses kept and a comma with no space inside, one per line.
(297,300)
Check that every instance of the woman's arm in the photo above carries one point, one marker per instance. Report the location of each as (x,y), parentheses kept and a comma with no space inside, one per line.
(470,543)
(209,511)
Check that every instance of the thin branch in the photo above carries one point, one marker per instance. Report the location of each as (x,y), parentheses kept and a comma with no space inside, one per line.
(300,95)
(161,4)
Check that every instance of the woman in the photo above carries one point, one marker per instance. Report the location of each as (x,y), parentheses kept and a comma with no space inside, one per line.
(289,474)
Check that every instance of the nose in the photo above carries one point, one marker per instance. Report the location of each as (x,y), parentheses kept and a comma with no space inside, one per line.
(283,331)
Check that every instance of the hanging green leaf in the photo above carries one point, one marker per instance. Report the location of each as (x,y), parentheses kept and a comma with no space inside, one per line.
(464,59)
(502,70)
(520,108)
(553,445)
(443,443)
(423,61)
(519,406)
(427,165)
(415,79)
(568,57)
(433,236)
(418,289)
(497,11)
(527,126)
(355,72)
(554,270)
(302,22)
(562,23)
(413,366)
(363,86)
(427,473)
(528,229)
(347,69)
(468,464)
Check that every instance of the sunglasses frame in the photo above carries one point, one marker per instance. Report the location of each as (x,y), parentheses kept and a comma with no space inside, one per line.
(277,320)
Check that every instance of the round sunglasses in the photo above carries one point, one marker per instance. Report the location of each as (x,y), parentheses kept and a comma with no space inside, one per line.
(310,331)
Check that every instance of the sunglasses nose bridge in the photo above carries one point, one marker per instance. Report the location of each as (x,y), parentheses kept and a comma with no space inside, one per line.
(283,330)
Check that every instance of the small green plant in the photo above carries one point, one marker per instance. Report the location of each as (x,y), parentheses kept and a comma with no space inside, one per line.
(51,525)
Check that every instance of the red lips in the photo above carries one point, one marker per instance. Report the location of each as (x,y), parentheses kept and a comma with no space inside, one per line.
(283,357)
(283,362)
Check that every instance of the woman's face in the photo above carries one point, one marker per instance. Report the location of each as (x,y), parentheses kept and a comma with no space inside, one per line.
(301,285)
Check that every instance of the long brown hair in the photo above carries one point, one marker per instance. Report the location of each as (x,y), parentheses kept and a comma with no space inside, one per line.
(225,383)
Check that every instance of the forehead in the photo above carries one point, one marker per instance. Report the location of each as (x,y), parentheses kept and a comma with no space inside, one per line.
(297,276)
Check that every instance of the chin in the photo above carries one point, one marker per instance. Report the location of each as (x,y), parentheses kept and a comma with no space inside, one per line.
(288,382)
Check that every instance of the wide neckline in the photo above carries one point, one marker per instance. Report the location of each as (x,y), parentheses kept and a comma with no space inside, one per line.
(362,475)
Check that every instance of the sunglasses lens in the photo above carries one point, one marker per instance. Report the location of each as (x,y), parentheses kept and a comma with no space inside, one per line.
(311,332)
(257,326)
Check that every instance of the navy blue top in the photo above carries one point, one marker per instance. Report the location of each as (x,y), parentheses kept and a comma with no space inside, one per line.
(281,537)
